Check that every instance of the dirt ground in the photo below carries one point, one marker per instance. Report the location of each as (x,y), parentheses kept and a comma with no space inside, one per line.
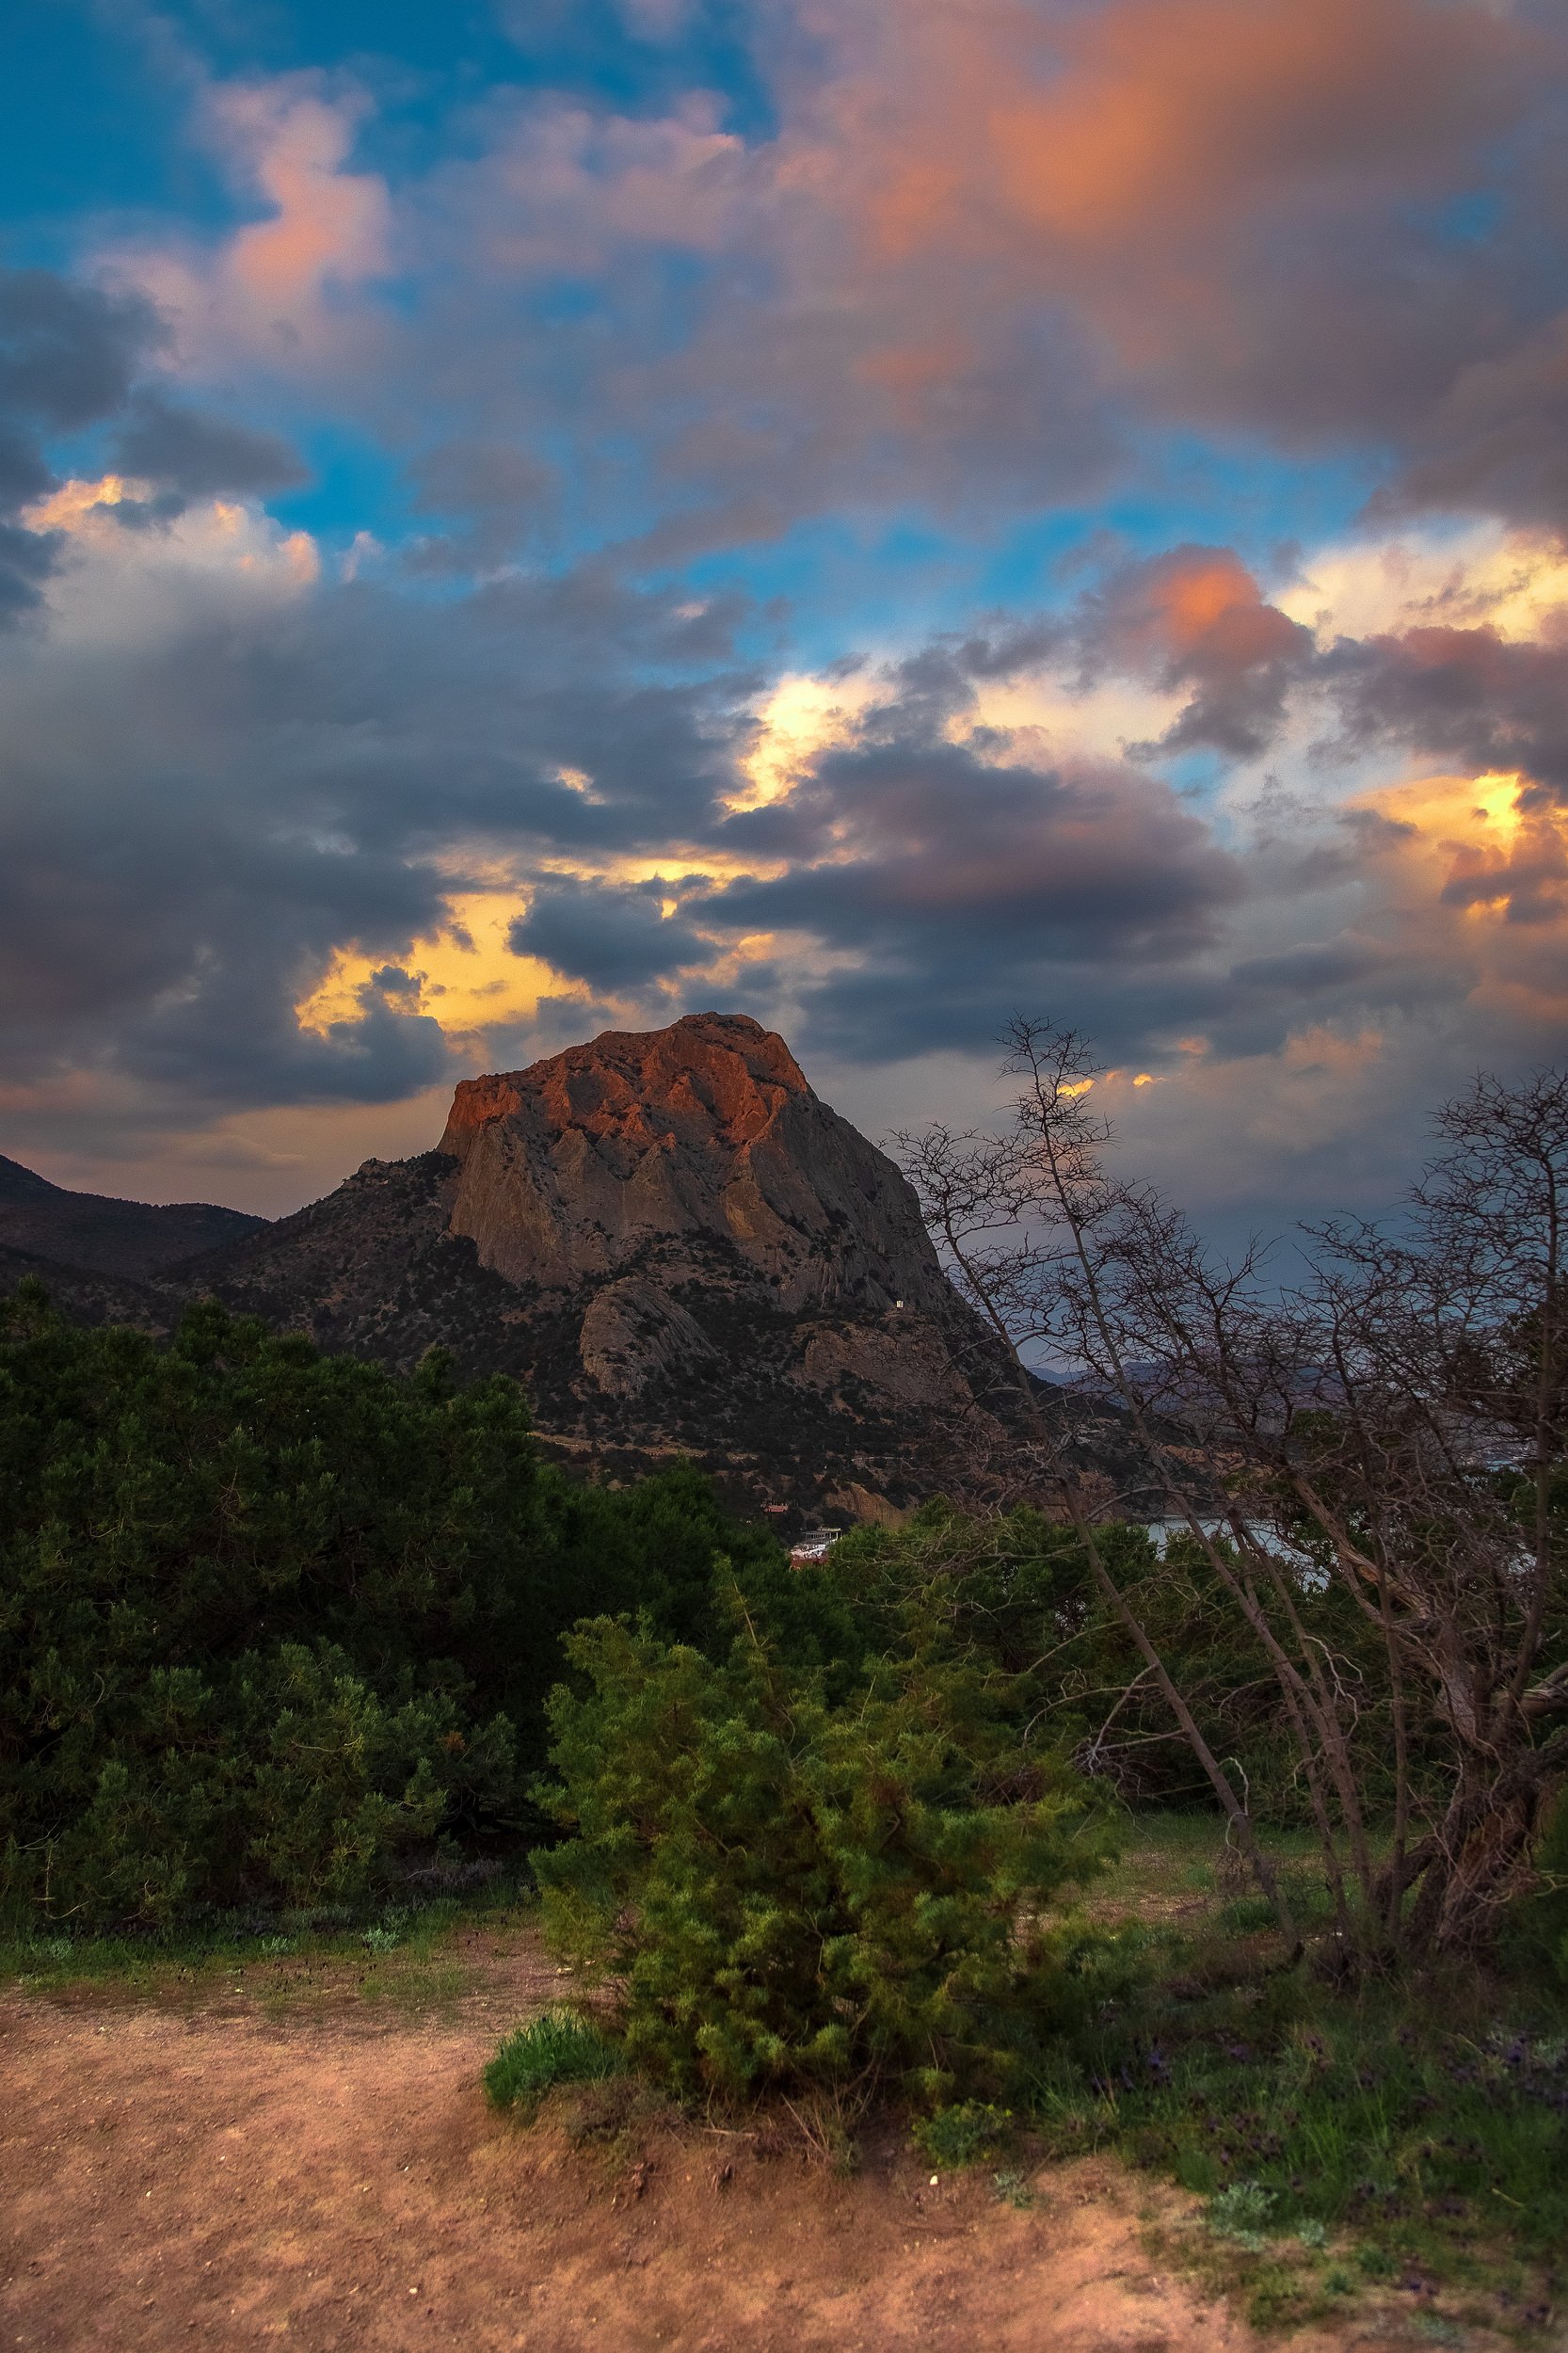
(197,2171)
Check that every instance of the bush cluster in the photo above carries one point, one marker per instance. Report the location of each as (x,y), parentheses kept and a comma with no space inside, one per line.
(276,1628)
(791,1886)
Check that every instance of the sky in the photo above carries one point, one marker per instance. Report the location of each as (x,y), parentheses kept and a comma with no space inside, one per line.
(528,516)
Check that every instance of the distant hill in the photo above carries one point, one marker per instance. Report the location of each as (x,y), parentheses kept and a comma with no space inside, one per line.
(87,1297)
(91,1232)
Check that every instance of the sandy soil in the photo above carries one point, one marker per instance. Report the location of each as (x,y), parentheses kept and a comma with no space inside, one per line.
(205,2175)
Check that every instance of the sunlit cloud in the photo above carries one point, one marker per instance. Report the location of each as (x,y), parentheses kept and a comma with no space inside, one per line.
(128,573)
(1483,574)
(800,718)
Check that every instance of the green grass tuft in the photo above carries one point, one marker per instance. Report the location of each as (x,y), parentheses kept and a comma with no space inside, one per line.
(558,2048)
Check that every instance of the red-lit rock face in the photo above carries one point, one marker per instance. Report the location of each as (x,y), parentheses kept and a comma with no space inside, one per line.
(709,1074)
(704,1134)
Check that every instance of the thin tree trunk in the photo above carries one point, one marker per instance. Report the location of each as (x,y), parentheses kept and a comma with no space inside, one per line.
(1263,1870)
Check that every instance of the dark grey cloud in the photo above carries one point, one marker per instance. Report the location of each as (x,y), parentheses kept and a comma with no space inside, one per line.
(1497,439)
(67,353)
(191,822)
(944,888)
(913,838)
(1468,696)
(612,937)
(71,356)
(182,450)
(68,358)
(1308,971)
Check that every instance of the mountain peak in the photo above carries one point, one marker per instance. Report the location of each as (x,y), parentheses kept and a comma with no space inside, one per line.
(130,1240)
(23,1184)
(718,1069)
(663,1147)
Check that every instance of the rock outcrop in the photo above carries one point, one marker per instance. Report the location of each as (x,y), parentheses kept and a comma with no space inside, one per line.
(673,1139)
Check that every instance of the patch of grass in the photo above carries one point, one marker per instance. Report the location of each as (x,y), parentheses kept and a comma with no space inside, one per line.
(1421,2129)
(1176,1868)
(404,1951)
(559,2048)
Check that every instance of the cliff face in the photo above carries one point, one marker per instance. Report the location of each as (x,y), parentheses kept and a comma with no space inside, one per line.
(676,1246)
(669,1141)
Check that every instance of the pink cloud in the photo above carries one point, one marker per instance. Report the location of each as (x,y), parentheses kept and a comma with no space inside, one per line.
(283,291)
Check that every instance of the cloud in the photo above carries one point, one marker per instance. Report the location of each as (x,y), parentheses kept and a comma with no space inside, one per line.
(68,357)
(962,259)
(1497,439)
(612,938)
(980,244)
(1466,695)
(1196,619)
(222,772)
(1241,207)
(275,841)
(195,455)
(277,836)
(285,293)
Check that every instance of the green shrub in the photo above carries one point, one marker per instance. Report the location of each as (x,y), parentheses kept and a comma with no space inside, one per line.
(972,2133)
(1240,2211)
(789,1888)
(559,2048)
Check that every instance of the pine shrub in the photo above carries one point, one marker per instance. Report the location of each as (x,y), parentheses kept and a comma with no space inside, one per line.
(277,1626)
(791,1888)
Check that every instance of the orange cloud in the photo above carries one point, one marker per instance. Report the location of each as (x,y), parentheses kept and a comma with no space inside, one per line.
(1122,129)
(1196,609)
(1162,114)
(1142,161)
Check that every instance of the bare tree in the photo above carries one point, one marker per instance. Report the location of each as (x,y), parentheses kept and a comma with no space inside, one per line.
(1390,1427)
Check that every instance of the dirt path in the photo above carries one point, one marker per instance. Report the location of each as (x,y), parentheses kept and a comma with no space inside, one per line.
(210,2177)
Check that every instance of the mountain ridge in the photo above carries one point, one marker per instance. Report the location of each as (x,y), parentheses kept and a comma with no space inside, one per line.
(98,1233)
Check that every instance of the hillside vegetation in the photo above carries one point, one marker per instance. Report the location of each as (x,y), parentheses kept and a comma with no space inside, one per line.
(278,1628)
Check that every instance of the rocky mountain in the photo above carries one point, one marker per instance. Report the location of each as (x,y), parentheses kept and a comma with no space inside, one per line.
(676,1245)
